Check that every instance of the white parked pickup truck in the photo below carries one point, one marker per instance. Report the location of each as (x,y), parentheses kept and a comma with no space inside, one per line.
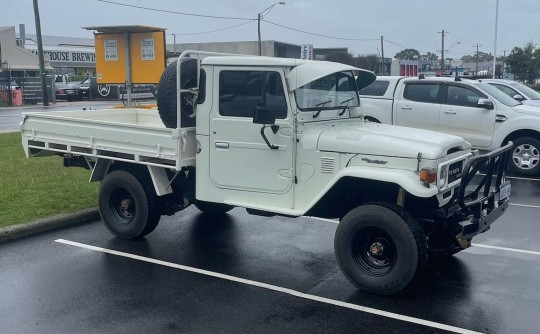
(480,113)
(282,137)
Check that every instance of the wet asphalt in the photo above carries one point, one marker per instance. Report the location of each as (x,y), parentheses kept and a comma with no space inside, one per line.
(282,278)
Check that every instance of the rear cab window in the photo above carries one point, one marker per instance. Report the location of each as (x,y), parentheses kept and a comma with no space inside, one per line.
(377,88)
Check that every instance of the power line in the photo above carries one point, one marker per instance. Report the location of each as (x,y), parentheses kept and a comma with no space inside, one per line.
(175,12)
(325,36)
(211,31)
(405,47)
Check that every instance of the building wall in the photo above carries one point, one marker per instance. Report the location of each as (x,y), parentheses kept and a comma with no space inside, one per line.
(268,48)
(17,58)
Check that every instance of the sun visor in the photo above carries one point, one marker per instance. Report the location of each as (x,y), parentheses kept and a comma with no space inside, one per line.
(313,70)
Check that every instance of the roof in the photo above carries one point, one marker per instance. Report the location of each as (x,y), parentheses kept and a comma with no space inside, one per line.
(303,71)
(124,29)
(61,40)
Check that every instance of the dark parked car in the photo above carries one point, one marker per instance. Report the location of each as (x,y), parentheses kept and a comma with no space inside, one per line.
(65,90)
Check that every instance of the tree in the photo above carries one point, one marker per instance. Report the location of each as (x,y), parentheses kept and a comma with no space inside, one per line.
(524,62)
(429,56)
(408,54)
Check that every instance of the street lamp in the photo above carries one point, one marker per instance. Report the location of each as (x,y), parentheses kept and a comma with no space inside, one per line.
(260,16)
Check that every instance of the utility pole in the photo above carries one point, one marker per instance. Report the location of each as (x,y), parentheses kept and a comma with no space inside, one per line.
(476,46)
(503,63)
(382,56)
(443,33)
(40,55)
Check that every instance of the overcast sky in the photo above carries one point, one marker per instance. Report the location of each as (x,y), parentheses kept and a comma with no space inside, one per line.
(411,23)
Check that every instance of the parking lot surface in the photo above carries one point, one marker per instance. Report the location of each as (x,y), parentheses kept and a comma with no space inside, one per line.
(248,274)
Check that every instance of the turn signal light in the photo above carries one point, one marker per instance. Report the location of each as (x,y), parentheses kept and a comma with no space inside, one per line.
(428,175)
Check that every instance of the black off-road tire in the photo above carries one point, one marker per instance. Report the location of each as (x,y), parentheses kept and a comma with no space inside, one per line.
(210,208)
(380,248)
(128,204)
(166,94)
(529,146)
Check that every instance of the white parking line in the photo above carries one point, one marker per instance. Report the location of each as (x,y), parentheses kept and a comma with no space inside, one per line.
(525,205)
(274,288)
(507,249)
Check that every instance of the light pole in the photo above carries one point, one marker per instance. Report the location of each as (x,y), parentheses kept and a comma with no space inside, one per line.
(495,43)
(260,16)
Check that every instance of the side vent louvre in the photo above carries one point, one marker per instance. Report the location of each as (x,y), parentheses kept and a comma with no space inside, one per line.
(328,165)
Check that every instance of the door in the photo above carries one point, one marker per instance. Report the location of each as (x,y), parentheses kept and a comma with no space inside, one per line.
(419,105)
(461,116)
(239,157)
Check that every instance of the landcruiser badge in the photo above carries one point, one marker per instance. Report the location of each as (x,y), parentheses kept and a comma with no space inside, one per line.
(378,162)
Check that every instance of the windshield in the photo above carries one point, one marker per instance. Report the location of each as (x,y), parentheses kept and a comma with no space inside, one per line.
(497,94)
(337,90)
(531,93)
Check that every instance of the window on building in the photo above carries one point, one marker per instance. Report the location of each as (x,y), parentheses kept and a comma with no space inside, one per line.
(240,92)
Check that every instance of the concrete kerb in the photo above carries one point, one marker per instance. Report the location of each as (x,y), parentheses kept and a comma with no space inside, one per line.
(48,224)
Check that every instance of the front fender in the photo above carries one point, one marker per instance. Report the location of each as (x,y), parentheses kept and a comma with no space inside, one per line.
(407,180)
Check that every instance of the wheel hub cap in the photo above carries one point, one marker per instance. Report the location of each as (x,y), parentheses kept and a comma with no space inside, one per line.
(376,249)
(526,156)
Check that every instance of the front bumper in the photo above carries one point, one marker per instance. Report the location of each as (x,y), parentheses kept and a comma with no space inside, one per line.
(481,205)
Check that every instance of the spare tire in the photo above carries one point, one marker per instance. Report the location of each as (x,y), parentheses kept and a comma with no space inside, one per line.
(166,95)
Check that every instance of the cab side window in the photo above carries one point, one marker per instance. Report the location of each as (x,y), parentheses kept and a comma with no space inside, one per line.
(240,92)
(423,92)
(462,96)
(507,90)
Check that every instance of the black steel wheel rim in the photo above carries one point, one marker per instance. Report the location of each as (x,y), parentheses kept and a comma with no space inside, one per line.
(122,206)
(374,251)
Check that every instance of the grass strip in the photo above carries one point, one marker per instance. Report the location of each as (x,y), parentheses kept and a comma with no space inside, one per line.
(39,187)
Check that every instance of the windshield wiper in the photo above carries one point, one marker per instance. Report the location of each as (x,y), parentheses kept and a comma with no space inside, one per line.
(315,115)
(346,105)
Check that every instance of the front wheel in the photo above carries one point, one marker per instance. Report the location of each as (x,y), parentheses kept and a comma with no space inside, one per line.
(525,158)
(380,248)
(127,205)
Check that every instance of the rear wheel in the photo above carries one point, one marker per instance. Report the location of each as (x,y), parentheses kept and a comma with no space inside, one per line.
(525,158)
(380,248)
(127,205)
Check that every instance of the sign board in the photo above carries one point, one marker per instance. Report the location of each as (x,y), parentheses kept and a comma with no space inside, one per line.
(147,57)
(456,62)
(147,49)
(306,51)
(111,49)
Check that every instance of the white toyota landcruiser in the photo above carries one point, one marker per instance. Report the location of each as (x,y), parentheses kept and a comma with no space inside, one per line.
(282,137)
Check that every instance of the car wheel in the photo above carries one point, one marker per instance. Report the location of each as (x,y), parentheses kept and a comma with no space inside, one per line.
(128,204)
(380,248)
(525,157)
(166,95)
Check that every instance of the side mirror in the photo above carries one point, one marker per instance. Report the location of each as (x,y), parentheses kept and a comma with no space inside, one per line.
(485,103)
(264,116)
(518,97)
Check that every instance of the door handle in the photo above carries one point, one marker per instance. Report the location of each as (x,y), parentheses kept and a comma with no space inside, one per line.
(221,144)
(450,112)
(406,107)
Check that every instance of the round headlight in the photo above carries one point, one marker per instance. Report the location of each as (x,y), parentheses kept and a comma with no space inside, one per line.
(443,177)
